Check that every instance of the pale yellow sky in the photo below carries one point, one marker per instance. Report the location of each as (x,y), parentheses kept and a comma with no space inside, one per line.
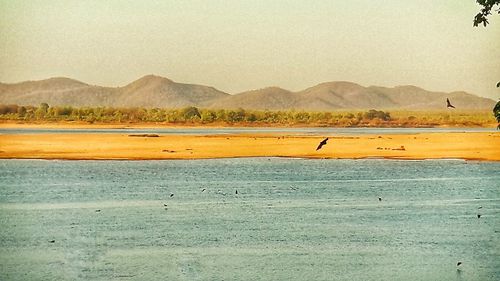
(241,45)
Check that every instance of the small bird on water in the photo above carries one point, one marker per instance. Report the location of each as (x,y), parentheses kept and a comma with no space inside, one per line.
(323,142)
(448,104)
(459,263)
(380,199)
(171,195)
(478,216)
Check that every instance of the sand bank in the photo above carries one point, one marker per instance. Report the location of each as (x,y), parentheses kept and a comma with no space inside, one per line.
(472,146)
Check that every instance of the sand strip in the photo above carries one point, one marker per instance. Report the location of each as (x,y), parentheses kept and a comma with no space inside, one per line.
(471,146)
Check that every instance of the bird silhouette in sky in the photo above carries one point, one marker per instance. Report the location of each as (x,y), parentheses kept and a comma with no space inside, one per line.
(448,104)
(323,142)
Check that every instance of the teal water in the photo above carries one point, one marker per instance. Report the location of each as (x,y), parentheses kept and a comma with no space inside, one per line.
(292,219)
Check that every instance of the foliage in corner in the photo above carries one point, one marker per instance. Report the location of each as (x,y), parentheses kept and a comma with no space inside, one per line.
(496,112)
(486,7)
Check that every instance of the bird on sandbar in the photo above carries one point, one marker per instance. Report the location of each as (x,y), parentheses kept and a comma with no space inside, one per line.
(323,142)
(448,104)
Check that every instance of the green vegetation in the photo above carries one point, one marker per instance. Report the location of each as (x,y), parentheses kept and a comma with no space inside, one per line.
(482,18)
(496,112)
(486,7)
(195,116)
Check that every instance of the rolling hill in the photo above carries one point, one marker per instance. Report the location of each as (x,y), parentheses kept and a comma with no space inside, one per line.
(155,91)
(148,91)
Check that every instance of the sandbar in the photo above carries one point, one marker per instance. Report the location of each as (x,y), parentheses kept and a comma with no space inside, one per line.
(484,146)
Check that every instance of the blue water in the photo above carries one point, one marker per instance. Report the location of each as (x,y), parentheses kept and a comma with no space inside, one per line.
(291,219)
(229,130)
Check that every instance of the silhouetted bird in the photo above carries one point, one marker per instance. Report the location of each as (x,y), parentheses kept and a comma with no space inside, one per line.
(171,195)
(236,191)
(380,199)
(498,84)
(478,216)
(448,103)
(52,241)
(459,263)
(97,211)
(203,190)
(165,205)
(323,142)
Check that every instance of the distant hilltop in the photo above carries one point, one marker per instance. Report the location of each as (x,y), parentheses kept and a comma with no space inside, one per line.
(154,91)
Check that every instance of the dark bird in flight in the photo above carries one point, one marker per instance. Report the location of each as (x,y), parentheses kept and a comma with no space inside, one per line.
(448,104)
(459,263)
(323,142)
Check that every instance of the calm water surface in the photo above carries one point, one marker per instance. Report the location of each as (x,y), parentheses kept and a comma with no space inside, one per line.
(246,130)
(291,219)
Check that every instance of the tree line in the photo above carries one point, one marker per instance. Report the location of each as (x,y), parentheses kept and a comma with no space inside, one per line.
(196,116)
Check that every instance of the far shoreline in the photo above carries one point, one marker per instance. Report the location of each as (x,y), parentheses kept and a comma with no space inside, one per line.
(9,124)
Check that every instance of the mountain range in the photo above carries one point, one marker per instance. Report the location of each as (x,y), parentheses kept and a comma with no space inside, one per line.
(154,91)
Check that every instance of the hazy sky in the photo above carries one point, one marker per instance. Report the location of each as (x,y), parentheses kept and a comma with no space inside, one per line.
(237,45)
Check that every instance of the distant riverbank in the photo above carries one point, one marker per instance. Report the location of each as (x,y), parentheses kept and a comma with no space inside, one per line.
(12,124)
(192,116)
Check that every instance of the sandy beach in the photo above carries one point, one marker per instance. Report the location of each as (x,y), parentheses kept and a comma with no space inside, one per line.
(470,146)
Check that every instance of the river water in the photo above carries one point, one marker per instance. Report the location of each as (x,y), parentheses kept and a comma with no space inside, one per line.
(243,130)
(249,219)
